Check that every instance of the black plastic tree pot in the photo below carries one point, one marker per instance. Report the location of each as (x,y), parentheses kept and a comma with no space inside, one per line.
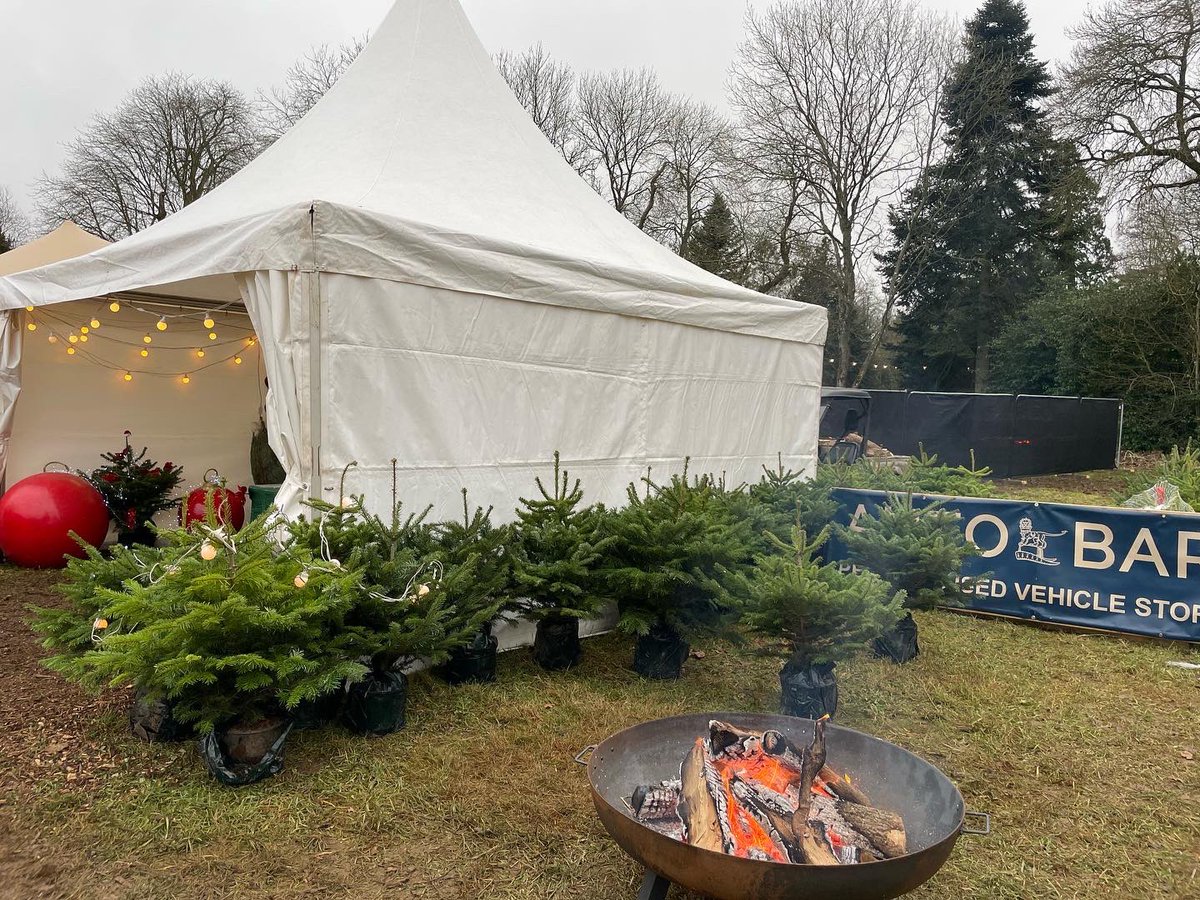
(377,705)
(660,654)
(311,714)
(900,644)
(243,753)
(473,664)
(556,643)
(808,691)
(152,719)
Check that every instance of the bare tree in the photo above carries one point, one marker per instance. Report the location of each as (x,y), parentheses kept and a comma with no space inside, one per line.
(14,225)
(834,96)
(698,157)
(547,91)
(171,140)
(624,119)
(1130,96)
(306,82)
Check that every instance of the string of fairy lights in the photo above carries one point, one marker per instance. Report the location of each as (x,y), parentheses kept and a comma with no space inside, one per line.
(208,351)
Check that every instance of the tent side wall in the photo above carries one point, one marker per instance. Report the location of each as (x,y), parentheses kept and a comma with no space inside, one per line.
(71,408)
(474,391)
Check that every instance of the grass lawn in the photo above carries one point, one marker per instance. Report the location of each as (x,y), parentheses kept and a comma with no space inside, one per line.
(1081,747)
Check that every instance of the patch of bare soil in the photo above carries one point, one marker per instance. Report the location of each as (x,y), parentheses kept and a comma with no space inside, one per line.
(46,724)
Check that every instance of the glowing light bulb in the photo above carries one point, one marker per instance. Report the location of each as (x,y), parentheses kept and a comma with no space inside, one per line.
(146,339)
(301,578)
(83,339)
(95,323)
(208,551)
(70,351)
(129,376)
(212,335)
(52,339)
(200,354)
(208,321)
(74,339)
(83,329)
(100,624)
(29,309)
(237,360)
(162,324)
(186,379)
(114,306)
(251,342)
(144,353)
(32,326)
(423,590)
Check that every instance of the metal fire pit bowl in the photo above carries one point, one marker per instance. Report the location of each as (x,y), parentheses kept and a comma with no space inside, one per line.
(894,779)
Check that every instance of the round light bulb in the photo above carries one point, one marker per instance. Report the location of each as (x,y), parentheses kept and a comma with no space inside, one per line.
(212,335)
(32,326)
(200,353)
(146,339)
(29,309)
(208,322)
(208,551)
(301,579)
(52,339)
(423,590)
(251,342)
(237,360)
(83,329)
(73,338)
(95,323)
(144,353)
(162,324)
(129,376)
(114,306)
(70,351)
(83,339)
(186,379)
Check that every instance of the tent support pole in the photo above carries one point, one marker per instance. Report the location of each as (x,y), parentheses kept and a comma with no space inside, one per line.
(316,389)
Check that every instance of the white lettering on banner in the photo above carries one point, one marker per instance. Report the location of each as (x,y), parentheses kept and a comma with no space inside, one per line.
(1082,545)
(1001,528)
(858,513)
(1150,554)
(1153,607)
(1080,598)
(1185,557)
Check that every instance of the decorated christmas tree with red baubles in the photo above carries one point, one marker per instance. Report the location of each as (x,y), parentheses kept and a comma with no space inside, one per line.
(134,489)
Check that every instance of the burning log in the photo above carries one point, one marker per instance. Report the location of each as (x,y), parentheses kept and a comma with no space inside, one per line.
(759,796)
(697,806)
(883,829)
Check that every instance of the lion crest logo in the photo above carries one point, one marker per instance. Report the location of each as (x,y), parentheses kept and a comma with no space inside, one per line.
(1032,546)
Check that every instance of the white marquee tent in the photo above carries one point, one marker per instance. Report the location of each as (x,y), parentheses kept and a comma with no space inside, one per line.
(430,282)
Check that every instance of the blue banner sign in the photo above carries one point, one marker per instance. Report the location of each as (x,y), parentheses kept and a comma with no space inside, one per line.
(1124,570)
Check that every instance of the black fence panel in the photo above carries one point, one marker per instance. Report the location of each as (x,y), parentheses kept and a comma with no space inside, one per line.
(1011,435)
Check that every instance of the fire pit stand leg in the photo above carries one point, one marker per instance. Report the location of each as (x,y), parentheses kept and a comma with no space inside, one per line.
(654,887)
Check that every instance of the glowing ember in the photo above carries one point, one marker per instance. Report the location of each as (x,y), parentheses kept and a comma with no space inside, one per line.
(758,796)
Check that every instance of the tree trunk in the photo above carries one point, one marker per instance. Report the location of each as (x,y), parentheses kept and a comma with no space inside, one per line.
(982,367)
(845,313)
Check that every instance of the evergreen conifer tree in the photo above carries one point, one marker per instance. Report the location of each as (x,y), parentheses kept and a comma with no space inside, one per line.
(236,636)
(557,549)
(715,244)
(1008,208)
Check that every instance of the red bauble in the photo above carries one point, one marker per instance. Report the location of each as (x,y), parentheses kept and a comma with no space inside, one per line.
(229,506)
(38,514)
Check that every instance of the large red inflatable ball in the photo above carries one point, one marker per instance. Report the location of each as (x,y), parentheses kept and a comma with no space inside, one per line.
(38,514)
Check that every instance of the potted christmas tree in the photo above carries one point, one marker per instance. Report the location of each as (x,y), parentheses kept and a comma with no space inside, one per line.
(670,556)
(402,611)
(916,550)
(482,549)
(135,489)
(823,615)
(783,499)
(233,633)
(556,549)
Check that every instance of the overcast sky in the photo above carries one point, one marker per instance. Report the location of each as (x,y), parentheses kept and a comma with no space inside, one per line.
(64,60)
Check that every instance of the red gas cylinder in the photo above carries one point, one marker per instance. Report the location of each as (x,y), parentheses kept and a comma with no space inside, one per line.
(229,506)
(38,514)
